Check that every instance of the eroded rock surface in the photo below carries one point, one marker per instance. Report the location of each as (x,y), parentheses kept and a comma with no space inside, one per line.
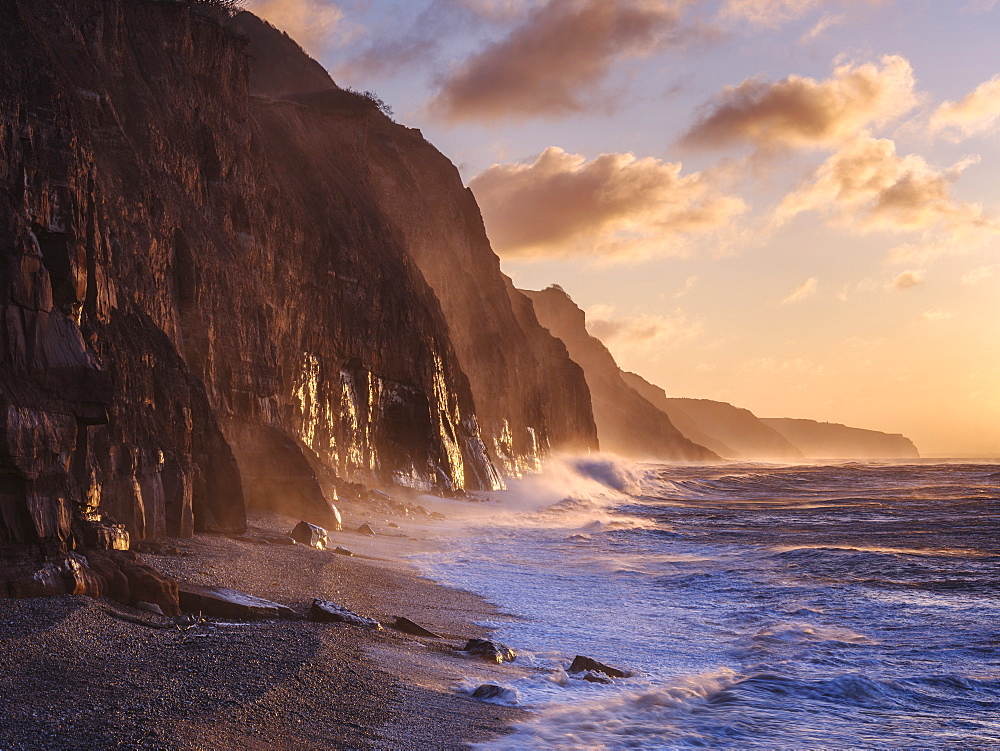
(324,611)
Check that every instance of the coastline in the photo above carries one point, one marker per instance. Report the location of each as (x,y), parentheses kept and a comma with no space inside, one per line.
(83,673)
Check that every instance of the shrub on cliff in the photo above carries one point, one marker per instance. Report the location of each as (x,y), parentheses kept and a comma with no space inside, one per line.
(217,8)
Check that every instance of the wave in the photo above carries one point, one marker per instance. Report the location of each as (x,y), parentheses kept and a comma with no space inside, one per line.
(722,709)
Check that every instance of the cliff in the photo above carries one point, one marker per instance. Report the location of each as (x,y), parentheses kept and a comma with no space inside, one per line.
(731,432)
(627,423)
(830,440)
(215,290)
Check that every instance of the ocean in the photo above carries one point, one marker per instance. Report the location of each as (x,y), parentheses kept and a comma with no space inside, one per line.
(850,605)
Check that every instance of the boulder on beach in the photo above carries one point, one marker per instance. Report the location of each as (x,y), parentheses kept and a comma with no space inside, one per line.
(311,535)
(378,495)
(222,602)
(583,664)
(409,627)
(126,579)
(490,651)
(366,529)
(324,611)
(342,551)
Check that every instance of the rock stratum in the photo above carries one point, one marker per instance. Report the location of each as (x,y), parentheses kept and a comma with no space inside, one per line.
(226,281)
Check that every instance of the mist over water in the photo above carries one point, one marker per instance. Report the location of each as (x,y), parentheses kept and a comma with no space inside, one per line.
(850,605)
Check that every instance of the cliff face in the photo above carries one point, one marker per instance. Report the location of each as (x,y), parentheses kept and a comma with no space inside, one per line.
(731,432)
(830,440)
(627,423)
(199,281)
(530,398)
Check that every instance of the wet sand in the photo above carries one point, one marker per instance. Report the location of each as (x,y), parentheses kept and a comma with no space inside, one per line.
(77,673)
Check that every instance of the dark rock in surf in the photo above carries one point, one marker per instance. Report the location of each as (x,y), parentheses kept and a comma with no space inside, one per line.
(222,602)
(493,691)
(490,651)
(414,629)
(311,535)
(324,611)
(583,664)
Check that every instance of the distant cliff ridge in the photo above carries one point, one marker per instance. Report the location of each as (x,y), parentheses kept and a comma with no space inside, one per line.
(731,432)
(829,440)
(627,423)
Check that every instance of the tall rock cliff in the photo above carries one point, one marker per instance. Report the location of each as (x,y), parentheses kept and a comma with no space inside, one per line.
(627,423)
(214,289)
(830,440)
(530,397)
(731,432)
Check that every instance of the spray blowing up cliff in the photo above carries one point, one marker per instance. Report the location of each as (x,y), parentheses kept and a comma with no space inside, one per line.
(226,281)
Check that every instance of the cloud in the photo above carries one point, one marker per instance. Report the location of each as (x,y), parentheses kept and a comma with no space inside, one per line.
(978,113)
(806,113)
(828,21)
(980,275)
(553,62)
(688,284)
(908,280)
(804,290)
(935,316)
(642,332)
(420,43)
(771,366)
(774,13)
(615,206)
(315,24)
(767,13)
(866,186)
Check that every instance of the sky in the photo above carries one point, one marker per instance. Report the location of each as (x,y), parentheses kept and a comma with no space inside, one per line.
(790,205)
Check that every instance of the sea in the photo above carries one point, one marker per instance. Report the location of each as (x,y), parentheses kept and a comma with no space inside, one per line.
(850,605)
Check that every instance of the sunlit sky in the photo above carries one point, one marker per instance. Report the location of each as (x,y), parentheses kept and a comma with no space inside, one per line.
(791,205)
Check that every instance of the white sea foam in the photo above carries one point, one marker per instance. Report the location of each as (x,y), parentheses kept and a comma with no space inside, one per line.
(757,606)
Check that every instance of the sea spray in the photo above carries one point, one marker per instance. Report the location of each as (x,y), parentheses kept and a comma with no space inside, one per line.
(757,605)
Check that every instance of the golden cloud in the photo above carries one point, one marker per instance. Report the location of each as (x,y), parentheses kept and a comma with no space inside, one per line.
(773,13)
(980,274)
(614,206)
(643,331)
(552,62)
(804,112)
(867,186)
(806,289)
(767,12)
(978,113)
(908,280)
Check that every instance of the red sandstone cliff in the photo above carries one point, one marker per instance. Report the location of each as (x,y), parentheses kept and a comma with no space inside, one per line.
(215,291)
